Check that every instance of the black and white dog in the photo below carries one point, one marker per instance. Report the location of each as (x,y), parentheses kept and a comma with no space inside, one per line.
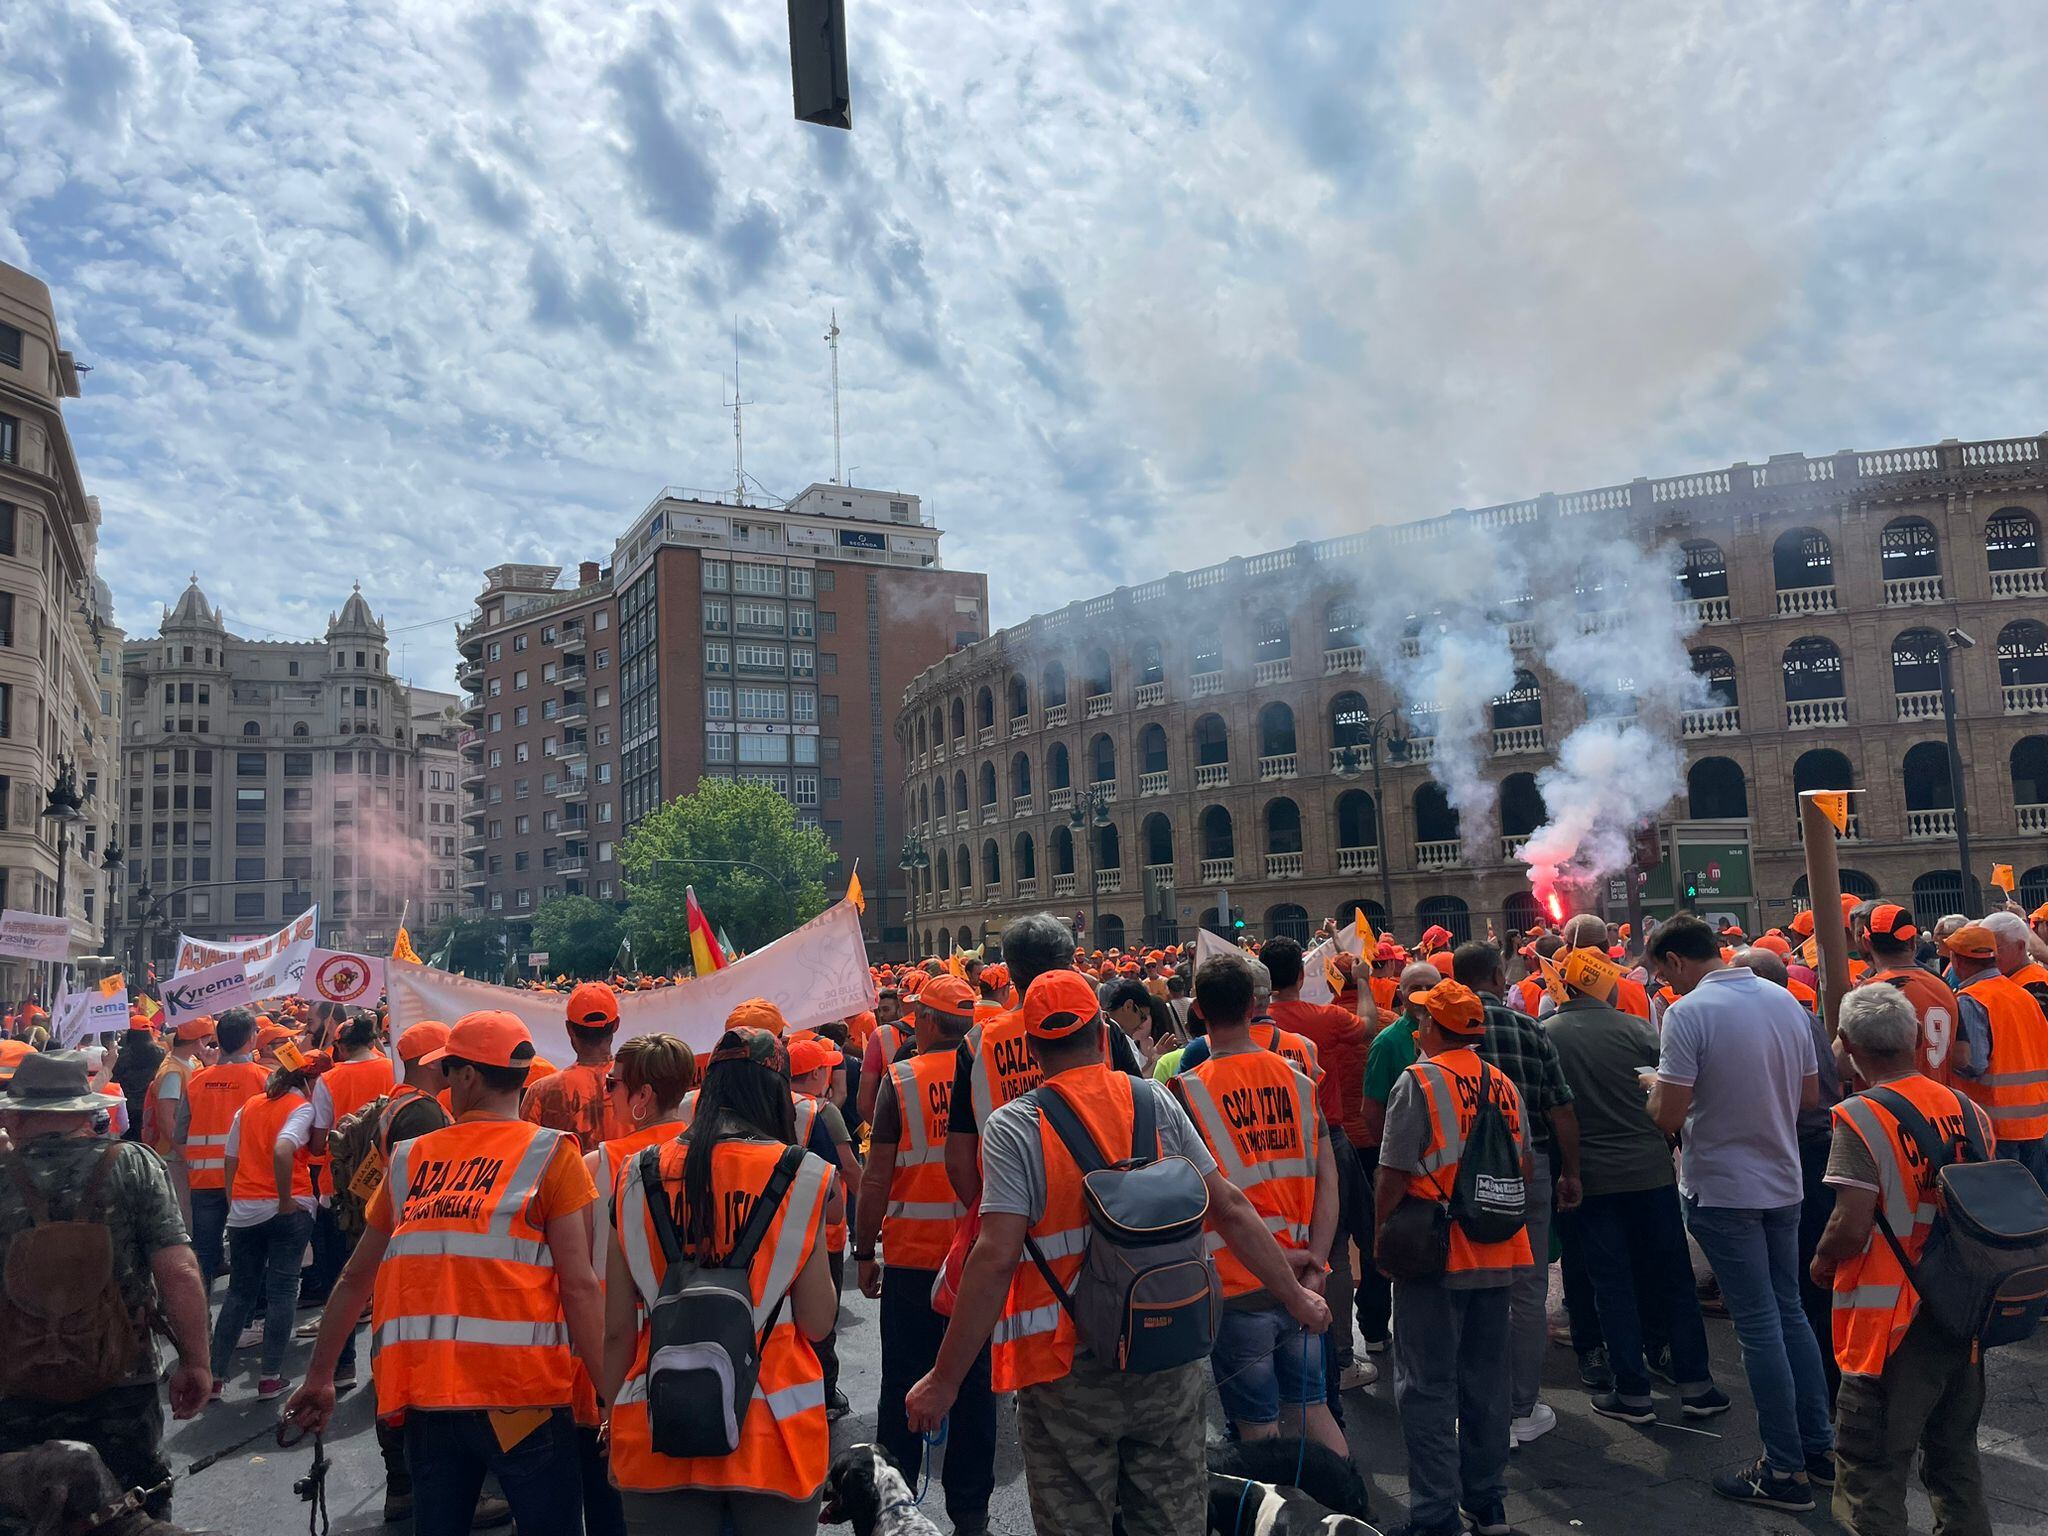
(1281,1488)
(864,1488)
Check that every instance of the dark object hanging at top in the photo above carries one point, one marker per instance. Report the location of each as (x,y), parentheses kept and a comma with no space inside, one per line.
(817,62)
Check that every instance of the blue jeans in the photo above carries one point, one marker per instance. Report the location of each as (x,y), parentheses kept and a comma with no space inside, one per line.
(263,1271)
(449,1451)
(1638,1238)
(1755,1254)
(209,1233)
(1263,1360)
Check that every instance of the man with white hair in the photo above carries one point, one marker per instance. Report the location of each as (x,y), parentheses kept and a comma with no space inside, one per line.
(2001,1046)
(2016,960)
(1906,1385)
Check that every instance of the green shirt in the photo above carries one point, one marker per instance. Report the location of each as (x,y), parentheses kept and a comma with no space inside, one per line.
(1168,1064)
(1393,1051)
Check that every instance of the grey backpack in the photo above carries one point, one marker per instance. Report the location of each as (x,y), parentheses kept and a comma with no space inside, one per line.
(1147,1297)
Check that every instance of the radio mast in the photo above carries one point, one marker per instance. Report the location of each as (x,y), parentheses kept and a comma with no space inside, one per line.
(832,341)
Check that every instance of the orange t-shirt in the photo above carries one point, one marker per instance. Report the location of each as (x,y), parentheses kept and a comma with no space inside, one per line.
(574,1099)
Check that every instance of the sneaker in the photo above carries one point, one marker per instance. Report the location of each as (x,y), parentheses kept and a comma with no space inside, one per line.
(344,1376)
(1820,1470)
(1356,1375)
(1533,1425)
(309,1329)
(220,1391)
(491,1512)
(250,1337)
(1375,1346)
(1659,1362)
(1594,1371)
(1705,1405)
(837,1407)
(269,1387)
(1490,1521)
(397,1507)
(1611,1405)
(1761,1486)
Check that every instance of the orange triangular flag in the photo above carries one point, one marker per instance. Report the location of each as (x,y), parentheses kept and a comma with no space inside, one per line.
(1553,982)
(1833,804)
(1366,937)
(2001,876)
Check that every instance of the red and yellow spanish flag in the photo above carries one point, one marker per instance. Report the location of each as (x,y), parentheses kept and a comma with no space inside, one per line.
(705,954)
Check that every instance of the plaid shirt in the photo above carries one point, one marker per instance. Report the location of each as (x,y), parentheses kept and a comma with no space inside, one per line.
(1520,1047)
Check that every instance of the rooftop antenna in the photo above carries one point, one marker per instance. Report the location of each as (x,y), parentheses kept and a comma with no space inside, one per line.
(739,454)
(832,340)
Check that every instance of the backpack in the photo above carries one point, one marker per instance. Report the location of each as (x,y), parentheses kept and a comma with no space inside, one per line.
(1983,1274)
(704,1353)
(1147,1297)
(357,1149)
(1488,1198)
(70,1335)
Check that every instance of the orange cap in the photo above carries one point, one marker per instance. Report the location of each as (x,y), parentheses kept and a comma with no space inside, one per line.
(757,1013)
(593,1005)
(1455,1007)
(1973,941)
(1442,961)
(489,1038)
(808,1052)
(1894,921)
(1803,924)
(948,995)
(141,1021)
(1776,943)
(1850,903)
(427,1035)
(539,1068)
(1059,1004)
(200,1028)
(270,1034)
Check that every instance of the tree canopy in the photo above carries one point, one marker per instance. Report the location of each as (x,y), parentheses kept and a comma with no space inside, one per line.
(481,945)
(580,936)
(697,840)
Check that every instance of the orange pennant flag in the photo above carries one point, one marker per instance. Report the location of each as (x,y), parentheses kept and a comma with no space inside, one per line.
(854,893)
(1366,937)
(2001,876)
(1833,804)
(1553,982)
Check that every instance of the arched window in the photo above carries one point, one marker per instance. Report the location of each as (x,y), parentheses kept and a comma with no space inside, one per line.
(963,864)
(2029,764)
(1062,850)
(1342,621)
(2012,541)
(1823,768)
(1703,569)
(945,867)
(1435,821)
(938,727)
(1270,639)
(1025,851)
(1358,820)
(1158,835)
(1020,775)
(959,721)
(1020,696)
(960,790)
(988,785)
(1909,547)
(1374,912)
(991,862)
(1445,912)
(1287,921)
(1276,730)
(1095,680)
(1109,847)
(2033,889)
(923,740)
(1350,719)
(1152,749)
(1813,670)
(1102,760)
(1716,791)
(1283,826)
(299,729)
(1053,689)
(924,806)
(1521,805)
(1936,894)
(939,797)
(985,709)
(251,728)
(1151,662)
(1212,741)
(1715,669)
(2023,654)
(1519,913)
(1916,670)
(1058,775)
(1852,881)
(964,937)
(1218,840)
(1802,558)
(1112,934)
(1925,770)
(1521,705)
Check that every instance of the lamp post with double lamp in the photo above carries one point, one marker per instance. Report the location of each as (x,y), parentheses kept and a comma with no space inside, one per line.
(62,804)
(1382,737)
(1091,812)
(913,862)
(111,863)
(1956,640)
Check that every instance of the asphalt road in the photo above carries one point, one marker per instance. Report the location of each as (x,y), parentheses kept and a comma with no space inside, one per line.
(1589,1476)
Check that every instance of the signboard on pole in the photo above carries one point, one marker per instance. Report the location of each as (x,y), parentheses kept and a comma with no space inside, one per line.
(191,993)
(81,1015)
(32,936)
(337,976)
(276,964)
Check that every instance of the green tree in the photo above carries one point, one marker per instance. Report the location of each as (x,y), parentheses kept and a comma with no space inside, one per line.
(581,936)
(695,840)
(480,948)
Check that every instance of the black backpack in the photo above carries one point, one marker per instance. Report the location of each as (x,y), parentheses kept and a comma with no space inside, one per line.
(704,1355)
(1147,1297)
(1488,1198)
(1983,1273)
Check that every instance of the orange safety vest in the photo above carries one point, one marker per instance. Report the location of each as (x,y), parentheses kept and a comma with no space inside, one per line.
(917,1228)
(155,1133)
(1257,1115)
(467,1311)
(352,1084)
(2014,1088)
(216,1093)
(1299,1050)
(1004,1067)
(612,1157)
(2034,977)
(256,1145)
(1383,989)
(1936,1006)
(784,1439)
(1630,997)
(1034,1339)
(891,1037)
(1808,998)
(1873,1302)
(1529,994)
(1450,1085)
(806,1119)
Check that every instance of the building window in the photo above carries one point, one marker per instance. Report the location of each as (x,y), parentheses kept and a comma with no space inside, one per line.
(249,869)
(519,678)
(10,440)
(10,346)
(717,655)
(6,618)
(604,659)
(297,765)
(250,801)
(250,765)
(714,575)
(521,715)
(248,834)
(518,643)
(7,545)
(248,904)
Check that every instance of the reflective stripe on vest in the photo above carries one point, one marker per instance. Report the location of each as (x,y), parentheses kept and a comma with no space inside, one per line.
(917,1228)
(1450,1124)
(214,1095)
(1267,1099)
(1004,1068)
(2014,1088)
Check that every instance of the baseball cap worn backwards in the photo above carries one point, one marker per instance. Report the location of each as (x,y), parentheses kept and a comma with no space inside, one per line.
(1059,1005)
(757,1013)
(1893,921)
(742,1043)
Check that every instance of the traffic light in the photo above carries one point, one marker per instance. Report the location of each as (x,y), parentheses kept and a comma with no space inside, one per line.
(817,62)
(1692,885)
(1237,919)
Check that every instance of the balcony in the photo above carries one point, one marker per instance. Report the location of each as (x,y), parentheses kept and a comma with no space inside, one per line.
(1160,877)
(989,814)
(1096,705)
(1722,720)
(1152,783)
(570,674)
(472,711)
(959,746)
(1702,611)
(938,751)
(960,821)
(1019,725)
(474,879)
(1211,775)
(1931,823)
(1055,716)
(922,762)
(1515,740)
(1853,833)
(1924,705)
(576,827)
(1217,871)
(573,786)
(2019,583)
(1266,673)
(1445,854)
(1911,591)
(2026,699)
(1362,756)
(1281,765)
(1202,684)
(1798,602)
(1345,658)
(1521,637)
(572,710)
(1817,714)
(1511,844)
(985,737)
(1065,885)
(1109,882)
(1150,695)
(1027,887)
(473,813)
(470,676)
(1020,805)
(1421,749)
(573,640)
(1105,788)
(1283,866)
(1061,799)
(991,892)
(1358,861)
(574,868)
(2032,818)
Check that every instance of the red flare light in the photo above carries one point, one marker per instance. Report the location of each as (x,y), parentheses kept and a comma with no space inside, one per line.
(1556,908)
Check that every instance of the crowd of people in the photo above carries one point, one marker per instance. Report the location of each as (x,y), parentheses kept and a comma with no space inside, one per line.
(552,1261)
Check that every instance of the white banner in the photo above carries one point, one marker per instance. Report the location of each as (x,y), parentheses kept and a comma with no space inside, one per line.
(31,936)
(1315,978)
(276,965)
(814,975)
(338,976)
(212,990)
(1208,946)
(81,1015)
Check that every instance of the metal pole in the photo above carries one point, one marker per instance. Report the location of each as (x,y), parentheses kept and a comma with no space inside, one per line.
(1955,780)
(1376,743)
(63,862)
(1824,887)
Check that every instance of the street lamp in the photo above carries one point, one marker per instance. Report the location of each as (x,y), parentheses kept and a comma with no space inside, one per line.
(111,863)
(62,803)
(1955,640)
(1382,731)
(1091,810)
(913,862)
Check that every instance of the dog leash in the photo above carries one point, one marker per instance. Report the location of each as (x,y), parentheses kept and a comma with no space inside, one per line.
(932,1442)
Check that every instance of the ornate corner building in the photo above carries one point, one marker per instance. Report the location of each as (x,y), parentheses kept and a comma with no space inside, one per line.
(1130,755)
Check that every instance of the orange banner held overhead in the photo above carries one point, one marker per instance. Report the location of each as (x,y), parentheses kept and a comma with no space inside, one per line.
(2001,876)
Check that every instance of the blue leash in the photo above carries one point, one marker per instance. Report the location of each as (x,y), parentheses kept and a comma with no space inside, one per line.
(1300,1458)
(932,1442)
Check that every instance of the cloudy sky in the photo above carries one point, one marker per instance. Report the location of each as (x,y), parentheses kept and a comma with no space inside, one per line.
(394,291)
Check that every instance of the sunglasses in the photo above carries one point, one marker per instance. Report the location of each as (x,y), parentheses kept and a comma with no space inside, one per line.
(613,1081)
